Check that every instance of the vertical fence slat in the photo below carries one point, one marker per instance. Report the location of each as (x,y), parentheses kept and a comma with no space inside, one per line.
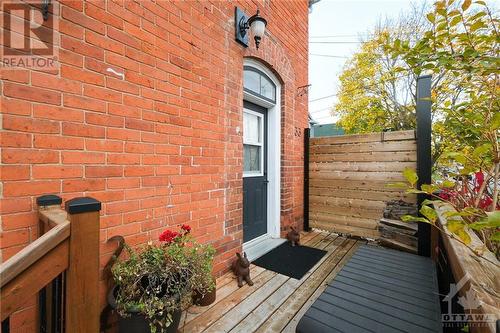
(82,287)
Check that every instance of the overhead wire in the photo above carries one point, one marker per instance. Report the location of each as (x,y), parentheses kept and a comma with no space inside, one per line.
(334,42)
(339,36)
(321,110)
(328,56)
(368,86)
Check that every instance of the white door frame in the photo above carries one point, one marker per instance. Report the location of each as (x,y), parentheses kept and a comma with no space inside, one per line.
(273,154)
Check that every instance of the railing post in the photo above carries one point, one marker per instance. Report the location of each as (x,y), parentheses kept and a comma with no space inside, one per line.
(424,158)
(307,136)
(82,277)
(49,312)
(46,202)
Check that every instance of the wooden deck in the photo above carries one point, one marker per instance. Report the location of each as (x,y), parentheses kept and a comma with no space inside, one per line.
(275,303)
(378,290)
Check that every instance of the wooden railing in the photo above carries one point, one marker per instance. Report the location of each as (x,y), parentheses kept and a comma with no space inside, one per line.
(61,267)
(477,278)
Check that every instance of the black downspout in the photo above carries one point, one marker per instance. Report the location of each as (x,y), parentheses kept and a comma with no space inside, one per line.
(424,159)
(307,135)
(6,325)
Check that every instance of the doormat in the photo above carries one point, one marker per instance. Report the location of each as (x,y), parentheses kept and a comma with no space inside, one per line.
(292,261)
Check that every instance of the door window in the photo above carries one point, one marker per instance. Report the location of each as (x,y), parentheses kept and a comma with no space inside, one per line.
(258,84)
(253,137)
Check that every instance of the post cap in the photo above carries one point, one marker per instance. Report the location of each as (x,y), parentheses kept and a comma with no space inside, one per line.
(82,205)
(48,200)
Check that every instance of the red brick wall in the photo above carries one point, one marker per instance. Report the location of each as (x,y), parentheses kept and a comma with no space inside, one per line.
(165,135)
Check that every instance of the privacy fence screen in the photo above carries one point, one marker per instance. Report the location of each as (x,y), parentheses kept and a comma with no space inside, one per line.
(348,177)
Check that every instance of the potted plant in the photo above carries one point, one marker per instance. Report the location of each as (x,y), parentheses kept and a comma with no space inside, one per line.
(156,282)
(204,289)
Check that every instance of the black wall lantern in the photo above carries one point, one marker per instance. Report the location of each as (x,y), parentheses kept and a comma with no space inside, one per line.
(256,24)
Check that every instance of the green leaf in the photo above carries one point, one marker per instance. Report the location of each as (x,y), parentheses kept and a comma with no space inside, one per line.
(473,210)
(397,185)
(454,21)
(451,213)
(429,189)
(431,17)
(411,176)
(415,191)
(495,237)
(492,220)
(476,26)
(440,4)
(479,225)
(458,228)
(448,184)
(464,236)
(466,4)
(442,26)
(410,218)
(455,225)
(468,211)
(481,150)
(429,213)
(456,156)
(428,202)
(495,123)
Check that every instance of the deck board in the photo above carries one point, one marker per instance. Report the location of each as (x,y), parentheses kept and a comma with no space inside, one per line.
(275,302)
(252,322)
(227,285)
(368,296)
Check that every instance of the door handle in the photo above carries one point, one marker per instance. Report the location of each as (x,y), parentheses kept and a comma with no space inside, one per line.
(266,181)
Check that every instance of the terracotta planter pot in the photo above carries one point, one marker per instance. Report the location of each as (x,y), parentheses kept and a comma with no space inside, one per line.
(137,323)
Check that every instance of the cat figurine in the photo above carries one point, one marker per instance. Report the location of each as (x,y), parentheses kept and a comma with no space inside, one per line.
(293,237)
(241,268)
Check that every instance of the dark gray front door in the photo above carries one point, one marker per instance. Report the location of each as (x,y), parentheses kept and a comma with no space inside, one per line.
(254,171)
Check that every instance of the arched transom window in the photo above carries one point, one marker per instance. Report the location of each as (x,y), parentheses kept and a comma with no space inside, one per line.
(257,83)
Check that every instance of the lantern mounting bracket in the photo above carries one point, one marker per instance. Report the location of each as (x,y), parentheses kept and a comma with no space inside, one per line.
(241,20)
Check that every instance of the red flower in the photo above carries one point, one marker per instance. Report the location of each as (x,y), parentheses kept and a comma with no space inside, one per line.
(485,203)
(446,194)
(479,180)
(168,236)
(186,228)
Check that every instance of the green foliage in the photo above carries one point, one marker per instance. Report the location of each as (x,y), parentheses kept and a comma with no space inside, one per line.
(458,220)
(491,221)
(397,185)
(429,213)
(410,218)
(410,176)
(461,50)
(459,228)
(462,44)
(362,100)
(459,46)
(158,279)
